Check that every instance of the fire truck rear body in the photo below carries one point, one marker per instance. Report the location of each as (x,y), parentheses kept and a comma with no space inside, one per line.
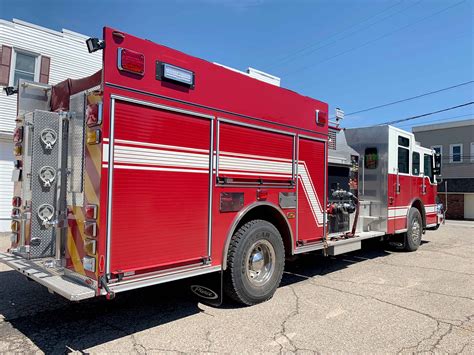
(143,173)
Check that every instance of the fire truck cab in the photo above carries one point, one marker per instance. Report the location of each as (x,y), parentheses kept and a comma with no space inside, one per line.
(163,166)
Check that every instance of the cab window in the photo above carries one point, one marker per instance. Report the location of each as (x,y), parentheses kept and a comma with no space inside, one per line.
(403,155)
(428,168)
(415,165)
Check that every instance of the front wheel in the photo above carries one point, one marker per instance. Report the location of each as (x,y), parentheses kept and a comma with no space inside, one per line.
(255,263)
(414,230)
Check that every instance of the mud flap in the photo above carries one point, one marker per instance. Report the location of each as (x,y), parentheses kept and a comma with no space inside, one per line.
(208,288)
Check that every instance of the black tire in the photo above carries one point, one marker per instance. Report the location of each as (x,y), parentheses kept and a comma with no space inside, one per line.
(414,230)
(254,241)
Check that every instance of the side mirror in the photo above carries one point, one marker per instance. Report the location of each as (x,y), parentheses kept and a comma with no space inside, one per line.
(437,164)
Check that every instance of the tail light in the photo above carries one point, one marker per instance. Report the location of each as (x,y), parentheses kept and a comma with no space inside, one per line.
(93,137)
(90,229)
(16,201)
(16,213)
(15,226)
(89,263)
(18,135)
(17,150)
(94,114)
(131,61)
(91,212)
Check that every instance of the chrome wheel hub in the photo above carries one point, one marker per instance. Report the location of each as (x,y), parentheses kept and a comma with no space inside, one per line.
(260,262)
(416,231)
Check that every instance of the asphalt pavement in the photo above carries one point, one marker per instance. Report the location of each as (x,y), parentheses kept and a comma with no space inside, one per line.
(370,301)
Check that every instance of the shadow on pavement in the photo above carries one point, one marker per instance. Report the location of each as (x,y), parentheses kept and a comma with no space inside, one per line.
(55,325)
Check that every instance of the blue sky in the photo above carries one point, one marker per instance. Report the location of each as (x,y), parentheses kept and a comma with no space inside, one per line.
(351,54)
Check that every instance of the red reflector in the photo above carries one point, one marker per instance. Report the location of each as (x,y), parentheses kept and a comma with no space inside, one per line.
(262,195)
(321,117)
(18,135)
(90,229)
(16,201)
(91,212)
(131,61)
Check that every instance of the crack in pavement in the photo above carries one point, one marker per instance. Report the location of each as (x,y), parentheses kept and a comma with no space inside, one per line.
(400,287)
(423,267)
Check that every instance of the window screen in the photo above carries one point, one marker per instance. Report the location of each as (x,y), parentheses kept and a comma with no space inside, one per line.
(403,160)
(415,167)
(371,158)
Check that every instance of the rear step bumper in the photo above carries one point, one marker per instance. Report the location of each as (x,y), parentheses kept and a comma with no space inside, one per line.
(53,280)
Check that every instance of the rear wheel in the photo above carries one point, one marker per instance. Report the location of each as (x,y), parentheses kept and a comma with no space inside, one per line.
(255,263)
(414,230)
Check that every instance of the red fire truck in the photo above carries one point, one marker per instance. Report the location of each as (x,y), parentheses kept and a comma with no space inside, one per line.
(163,166)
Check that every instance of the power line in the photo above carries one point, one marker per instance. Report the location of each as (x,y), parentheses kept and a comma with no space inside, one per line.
(446,119)
(292,56)
(425,114)
(378,38)
(410,98)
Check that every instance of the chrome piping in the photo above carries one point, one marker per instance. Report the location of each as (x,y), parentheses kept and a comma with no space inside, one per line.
(211,186)
(239,217)
(218,129)
(110,183)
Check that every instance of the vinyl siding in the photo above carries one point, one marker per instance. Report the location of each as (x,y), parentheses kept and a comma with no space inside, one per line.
(67,50)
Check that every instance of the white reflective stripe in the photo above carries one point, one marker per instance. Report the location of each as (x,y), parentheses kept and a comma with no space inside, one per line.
(266,166)
(310,193)
(430,209)
(183,159)
(154,145)
(221,153)
(399,212)
(134,167)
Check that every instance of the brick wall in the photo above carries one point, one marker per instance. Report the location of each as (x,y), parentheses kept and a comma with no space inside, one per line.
(455,205)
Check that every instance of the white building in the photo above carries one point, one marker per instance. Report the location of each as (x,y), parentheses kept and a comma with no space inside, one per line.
(35,53)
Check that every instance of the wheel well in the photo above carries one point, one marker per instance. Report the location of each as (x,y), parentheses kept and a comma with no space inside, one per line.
(420,207)
(275,217)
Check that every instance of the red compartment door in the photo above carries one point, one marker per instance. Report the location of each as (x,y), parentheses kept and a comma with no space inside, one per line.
(160,188)
(311,188)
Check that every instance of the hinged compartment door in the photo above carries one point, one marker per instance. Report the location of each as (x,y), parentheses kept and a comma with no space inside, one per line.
(161,182)
(312,172)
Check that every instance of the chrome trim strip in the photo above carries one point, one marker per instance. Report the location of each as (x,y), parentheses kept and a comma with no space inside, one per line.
(158,279)
(162,107)
(309,247)
(239,217)
(249,125)
(110,183)
(401,230)
(211,187)
(218,124)
(312,138)
(116,86)
(431,225)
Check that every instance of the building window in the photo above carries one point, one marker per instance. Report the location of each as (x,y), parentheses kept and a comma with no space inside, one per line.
(455,154)
(24,67)
(472,152)
(415,167)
